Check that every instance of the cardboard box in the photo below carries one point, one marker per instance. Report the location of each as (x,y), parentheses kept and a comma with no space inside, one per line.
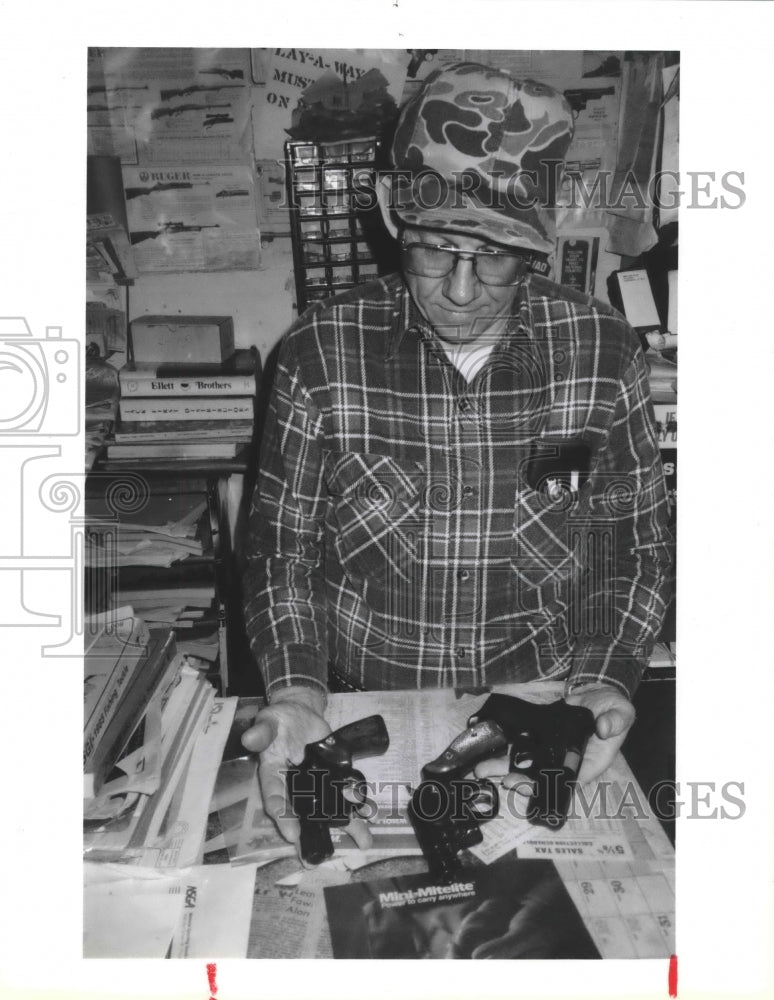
(182,338)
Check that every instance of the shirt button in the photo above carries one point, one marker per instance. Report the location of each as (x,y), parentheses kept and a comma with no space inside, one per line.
(460,652)
(467,491)
(462,574)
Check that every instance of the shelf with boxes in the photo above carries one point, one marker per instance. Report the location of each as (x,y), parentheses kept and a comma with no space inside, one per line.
(158,496)
(160,543)
(330,187)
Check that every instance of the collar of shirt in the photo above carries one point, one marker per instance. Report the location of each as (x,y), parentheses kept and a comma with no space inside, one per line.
(407,317)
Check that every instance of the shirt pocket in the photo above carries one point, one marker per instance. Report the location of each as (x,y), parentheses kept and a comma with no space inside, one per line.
(377,515)
(545,547)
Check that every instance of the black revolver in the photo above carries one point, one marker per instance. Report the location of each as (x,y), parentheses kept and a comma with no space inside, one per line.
(446,815)
(317,786)
(580,97)
(547,745)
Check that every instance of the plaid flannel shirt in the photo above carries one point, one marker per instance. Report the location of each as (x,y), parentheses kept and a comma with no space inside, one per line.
(401,529)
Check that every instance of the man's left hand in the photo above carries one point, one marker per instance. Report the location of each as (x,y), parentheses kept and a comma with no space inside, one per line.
(614,715)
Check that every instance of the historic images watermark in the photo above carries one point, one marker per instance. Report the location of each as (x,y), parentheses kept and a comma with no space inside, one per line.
(526,190)
(551,185)
(666,800)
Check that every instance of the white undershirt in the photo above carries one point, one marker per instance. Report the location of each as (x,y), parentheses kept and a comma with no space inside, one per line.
(468,359)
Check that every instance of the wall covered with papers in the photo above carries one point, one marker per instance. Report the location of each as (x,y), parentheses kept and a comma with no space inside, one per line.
(200,134)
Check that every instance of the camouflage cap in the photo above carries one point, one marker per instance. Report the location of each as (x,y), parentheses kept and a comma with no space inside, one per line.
(479,152)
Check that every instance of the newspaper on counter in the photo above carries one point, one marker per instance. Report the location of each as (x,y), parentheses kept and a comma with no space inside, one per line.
(290,921)
(421,724)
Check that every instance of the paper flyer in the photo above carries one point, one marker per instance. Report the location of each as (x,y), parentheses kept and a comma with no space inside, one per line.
(192,217)
(512,909)
(162,105)
(288,72)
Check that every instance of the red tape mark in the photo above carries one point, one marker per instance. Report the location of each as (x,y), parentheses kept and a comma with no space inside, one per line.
(673,976)
(212,971)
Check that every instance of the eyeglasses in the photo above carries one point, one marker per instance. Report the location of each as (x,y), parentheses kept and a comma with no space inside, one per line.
(492,267)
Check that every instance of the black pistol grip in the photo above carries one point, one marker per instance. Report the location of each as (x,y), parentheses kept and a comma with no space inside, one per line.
(325,789)
(447,818)
(511,714)
(556,742)
(480,740)
(365,738)
(550,804)
(579,726)
(315,842)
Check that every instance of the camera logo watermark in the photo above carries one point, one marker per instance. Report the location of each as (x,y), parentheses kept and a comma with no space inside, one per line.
(45,549)
(40,381)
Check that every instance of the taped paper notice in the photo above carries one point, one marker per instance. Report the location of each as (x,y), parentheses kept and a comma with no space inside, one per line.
(164,105)
(288,72)
(637,299)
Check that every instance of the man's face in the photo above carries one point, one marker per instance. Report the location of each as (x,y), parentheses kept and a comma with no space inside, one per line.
(459,305)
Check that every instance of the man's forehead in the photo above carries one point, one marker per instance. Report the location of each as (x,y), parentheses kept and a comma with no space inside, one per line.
(449,237)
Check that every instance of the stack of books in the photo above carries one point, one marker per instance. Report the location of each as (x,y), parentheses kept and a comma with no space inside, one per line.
(181,599)
(153,738)
(154,542)
(102,393)
(123,668)
(185,410)
(160,561)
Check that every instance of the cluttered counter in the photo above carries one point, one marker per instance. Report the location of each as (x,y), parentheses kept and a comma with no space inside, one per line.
(224,884)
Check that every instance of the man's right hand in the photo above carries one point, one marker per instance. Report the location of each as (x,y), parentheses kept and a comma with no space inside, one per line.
(280,733)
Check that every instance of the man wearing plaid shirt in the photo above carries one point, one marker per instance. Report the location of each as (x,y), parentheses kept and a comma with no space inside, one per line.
(460,482)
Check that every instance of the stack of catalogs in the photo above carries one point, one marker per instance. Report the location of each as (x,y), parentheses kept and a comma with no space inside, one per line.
(182,412)
(161,557)
(188,393)
(122,669)
(154,733)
